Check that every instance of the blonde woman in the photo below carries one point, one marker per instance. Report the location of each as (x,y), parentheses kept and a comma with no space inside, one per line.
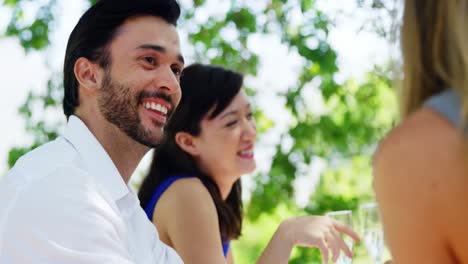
(421,176)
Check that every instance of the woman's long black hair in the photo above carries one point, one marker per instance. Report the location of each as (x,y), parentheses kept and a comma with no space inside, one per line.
(204,87)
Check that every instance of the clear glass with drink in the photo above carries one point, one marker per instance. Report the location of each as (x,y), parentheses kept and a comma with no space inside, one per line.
(372,232)
(345,217)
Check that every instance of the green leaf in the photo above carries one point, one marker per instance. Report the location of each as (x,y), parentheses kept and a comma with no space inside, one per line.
(243,19)
(198,3)
(306,5)
(10,3)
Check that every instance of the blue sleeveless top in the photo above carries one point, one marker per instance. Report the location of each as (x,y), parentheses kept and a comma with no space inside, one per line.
(149,208)
(448,104)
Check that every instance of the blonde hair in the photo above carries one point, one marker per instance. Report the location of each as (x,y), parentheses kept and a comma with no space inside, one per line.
(435,52)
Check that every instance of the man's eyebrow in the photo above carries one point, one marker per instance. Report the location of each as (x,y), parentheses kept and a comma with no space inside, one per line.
(161,49)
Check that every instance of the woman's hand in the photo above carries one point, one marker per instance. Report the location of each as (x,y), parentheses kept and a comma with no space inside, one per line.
(318,231)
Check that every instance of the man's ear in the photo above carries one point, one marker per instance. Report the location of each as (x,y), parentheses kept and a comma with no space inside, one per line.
(187,143)
(88,74)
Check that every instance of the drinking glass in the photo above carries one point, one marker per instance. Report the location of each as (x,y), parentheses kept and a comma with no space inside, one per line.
(372,231)
(344,217)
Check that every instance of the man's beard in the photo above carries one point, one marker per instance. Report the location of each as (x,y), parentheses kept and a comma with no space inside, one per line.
(119,106)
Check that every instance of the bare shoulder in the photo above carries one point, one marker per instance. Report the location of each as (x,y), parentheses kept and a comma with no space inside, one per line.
(185,197)
(426,144)
(186,192)
(187,220)
(419,178)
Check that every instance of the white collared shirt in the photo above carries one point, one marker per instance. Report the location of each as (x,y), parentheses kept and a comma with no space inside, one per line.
(65,202)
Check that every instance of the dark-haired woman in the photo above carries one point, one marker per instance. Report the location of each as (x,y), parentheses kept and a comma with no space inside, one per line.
(193,190)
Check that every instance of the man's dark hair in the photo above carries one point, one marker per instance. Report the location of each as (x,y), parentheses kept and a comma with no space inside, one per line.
(95,31)
(205,88)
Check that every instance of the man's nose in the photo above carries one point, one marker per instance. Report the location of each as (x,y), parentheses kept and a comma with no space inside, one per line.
(167,81)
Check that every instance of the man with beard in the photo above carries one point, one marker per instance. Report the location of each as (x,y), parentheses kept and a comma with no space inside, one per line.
(68,201)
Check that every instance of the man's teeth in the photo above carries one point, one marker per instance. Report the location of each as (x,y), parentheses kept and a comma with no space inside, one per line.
(155,106)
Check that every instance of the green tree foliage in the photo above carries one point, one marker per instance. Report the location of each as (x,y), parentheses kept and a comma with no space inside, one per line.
(356,114)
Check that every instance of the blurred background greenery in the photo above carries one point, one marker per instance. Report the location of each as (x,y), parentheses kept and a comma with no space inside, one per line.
(331,135)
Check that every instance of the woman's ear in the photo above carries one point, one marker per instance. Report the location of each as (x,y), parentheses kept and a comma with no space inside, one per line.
(187,143)
(87,74)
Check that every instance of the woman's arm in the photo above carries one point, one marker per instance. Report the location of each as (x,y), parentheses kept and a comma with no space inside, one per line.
(230,257)
(187,215)
(420,182)
(308,231)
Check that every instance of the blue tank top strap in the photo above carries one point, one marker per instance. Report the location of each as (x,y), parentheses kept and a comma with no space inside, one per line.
(149,207)
(226,248)
(448,104)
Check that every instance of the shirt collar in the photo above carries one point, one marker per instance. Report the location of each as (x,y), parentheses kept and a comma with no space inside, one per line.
(95,157)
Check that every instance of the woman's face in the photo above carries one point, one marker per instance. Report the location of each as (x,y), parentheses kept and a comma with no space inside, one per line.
(226,143)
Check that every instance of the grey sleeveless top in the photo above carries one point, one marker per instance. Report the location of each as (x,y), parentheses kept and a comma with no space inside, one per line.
(448,104)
